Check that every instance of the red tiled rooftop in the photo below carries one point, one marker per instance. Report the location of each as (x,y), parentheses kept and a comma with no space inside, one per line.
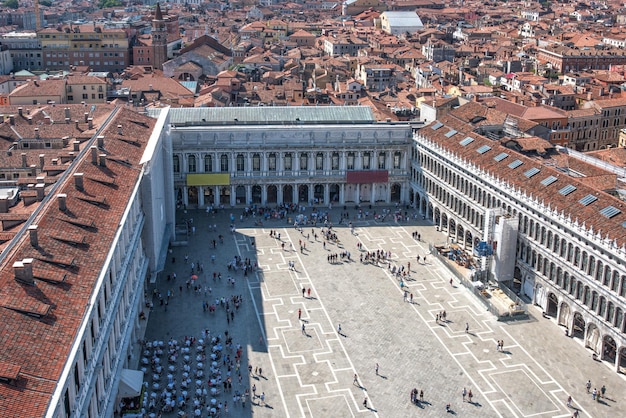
(66,273)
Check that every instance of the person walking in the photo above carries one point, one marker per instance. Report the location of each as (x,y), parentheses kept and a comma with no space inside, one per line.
(602,391)
(254,391)
(309,293)
(299,314)
(339,329)
(303,329)
(588,385)
(303,291)
(421,395)
(262,398)
(594,394)
(356,380)
(466,327)
(569,401)
(470,395)
(376,368)
(365,402)
(464,393)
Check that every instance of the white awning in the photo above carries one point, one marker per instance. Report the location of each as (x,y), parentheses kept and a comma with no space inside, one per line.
(130,383)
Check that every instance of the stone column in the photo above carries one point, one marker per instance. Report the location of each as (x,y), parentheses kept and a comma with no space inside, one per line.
(185,196)
(264,194)
(279,193)
(233,195)
(200,196)
(326,194)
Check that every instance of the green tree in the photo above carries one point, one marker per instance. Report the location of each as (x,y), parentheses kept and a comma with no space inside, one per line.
(11,3)
(109,3)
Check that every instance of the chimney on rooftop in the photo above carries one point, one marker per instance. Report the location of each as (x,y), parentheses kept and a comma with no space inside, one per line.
(94,154)
(86,116)
(24,271)
(78,181)
(90,123)
(100,141)
(67,113)
(42,158)
(4,205)
(103,160)
(12,119)
(62,198)
(34,239)
(67,121)
(119,130)
(1,118)
(24,161)
(76,124)
(40,188)
(48,120)
(20,111)
(76,145)
(30,120)
(36,133)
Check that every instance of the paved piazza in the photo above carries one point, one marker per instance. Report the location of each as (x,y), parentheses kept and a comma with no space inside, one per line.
(311,374)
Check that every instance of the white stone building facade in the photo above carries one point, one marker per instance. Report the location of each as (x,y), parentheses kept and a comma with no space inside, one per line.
(291,155)
(570,247)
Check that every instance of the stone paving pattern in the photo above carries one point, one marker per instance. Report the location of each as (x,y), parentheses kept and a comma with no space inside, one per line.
(312,375)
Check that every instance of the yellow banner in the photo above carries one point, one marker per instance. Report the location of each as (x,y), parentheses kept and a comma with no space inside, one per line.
(208,179)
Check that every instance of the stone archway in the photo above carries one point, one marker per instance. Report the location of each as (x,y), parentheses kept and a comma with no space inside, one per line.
(621,365)
(318,194)
(564,314)
(240,195)
(469,240)
(272,194)
(209,197)
(593,338)
(257,194)
(334,192)
(609,349)
(192,195)
(578,328)
(517,280)
(303,193)
(444,222)
(552,305)
(396,192)
(225,195)
(288,193)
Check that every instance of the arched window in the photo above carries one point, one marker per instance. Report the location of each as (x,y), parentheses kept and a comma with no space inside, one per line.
(288,162)
(350,161)
(271,162)
(319,161)
(381,161)
(191,164)
(208,163)
(335,161)
(176,163)
(256,162)
(397,160)
(224,163)
(240,163)
(304,160)
(366,161)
